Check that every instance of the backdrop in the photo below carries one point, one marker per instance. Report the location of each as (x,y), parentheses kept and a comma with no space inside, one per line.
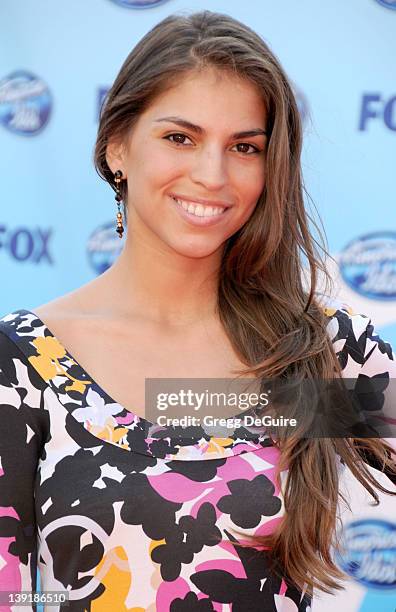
(57,218)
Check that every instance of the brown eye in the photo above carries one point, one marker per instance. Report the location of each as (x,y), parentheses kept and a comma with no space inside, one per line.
(246,146)
(178,138)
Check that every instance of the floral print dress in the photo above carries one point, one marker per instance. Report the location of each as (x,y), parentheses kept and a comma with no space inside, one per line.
(107,506)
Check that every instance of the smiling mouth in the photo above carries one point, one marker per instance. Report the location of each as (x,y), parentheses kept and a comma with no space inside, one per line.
(198,209)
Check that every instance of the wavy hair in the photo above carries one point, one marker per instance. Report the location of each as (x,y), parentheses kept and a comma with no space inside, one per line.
(273,320)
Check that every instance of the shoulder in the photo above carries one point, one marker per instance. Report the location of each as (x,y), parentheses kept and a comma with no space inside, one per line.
(343,320)
(17,329)
(11,333)
(355,338)
(24,416)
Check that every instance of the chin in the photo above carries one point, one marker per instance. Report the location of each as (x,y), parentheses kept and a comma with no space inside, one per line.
(195,251)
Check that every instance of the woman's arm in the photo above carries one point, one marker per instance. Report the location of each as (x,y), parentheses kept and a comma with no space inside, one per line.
(21,438)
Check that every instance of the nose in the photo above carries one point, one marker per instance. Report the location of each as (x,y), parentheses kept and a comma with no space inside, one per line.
(209,168)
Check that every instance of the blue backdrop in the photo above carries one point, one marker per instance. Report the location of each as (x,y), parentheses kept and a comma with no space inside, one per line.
(57,218)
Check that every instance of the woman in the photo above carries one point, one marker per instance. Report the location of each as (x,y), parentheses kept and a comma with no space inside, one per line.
(200,137)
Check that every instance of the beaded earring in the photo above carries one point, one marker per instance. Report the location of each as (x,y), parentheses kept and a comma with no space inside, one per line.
(118,198)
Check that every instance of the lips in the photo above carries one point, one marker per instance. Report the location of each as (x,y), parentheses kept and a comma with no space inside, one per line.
(204,202)
(199,210)
(197,214)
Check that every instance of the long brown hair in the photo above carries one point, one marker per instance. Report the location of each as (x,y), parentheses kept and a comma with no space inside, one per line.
(273,321)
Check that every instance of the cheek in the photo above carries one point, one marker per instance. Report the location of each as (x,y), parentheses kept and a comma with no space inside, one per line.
(250,184)
(155,167)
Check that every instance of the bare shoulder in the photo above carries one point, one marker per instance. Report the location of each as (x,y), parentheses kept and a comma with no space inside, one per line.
(71,317)
(77,304)
(59,308)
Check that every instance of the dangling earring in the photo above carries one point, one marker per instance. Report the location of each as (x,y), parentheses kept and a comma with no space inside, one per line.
(118,198)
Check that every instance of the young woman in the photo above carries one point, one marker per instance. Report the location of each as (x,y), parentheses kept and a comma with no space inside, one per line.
(200,137)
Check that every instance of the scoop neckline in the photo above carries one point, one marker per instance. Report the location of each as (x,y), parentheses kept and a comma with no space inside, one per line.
(179,442)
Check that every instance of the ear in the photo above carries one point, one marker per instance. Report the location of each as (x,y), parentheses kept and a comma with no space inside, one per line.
(115,156)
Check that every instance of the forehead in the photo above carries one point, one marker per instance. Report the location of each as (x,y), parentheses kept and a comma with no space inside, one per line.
(210,95)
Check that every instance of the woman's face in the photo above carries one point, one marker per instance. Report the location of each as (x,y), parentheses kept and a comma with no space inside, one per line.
(216,169)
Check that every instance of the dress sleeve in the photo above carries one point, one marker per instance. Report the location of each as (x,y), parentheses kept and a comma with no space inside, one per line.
(21,439)
(378,369)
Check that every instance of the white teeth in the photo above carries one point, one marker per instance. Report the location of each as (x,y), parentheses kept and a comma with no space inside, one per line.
(199,210)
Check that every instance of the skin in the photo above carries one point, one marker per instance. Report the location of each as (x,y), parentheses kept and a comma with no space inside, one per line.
(161,291)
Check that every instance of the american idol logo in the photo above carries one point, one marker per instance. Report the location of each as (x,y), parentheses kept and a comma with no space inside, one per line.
(104,246)
(391,4)
(368,553)
(368,265)
(139,3)
(25,103)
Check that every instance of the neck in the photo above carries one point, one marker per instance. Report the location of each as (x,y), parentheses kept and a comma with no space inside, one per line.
(152,281)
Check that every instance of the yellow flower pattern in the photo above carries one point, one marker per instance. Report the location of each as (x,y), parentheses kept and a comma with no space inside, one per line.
(330,312)
(217,445)
(109,433)
(46,363)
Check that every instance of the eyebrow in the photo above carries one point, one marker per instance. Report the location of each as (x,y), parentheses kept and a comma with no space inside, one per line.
(199,130)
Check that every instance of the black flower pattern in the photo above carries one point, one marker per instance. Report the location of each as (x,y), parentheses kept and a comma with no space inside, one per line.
(249,501)
(191,603)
